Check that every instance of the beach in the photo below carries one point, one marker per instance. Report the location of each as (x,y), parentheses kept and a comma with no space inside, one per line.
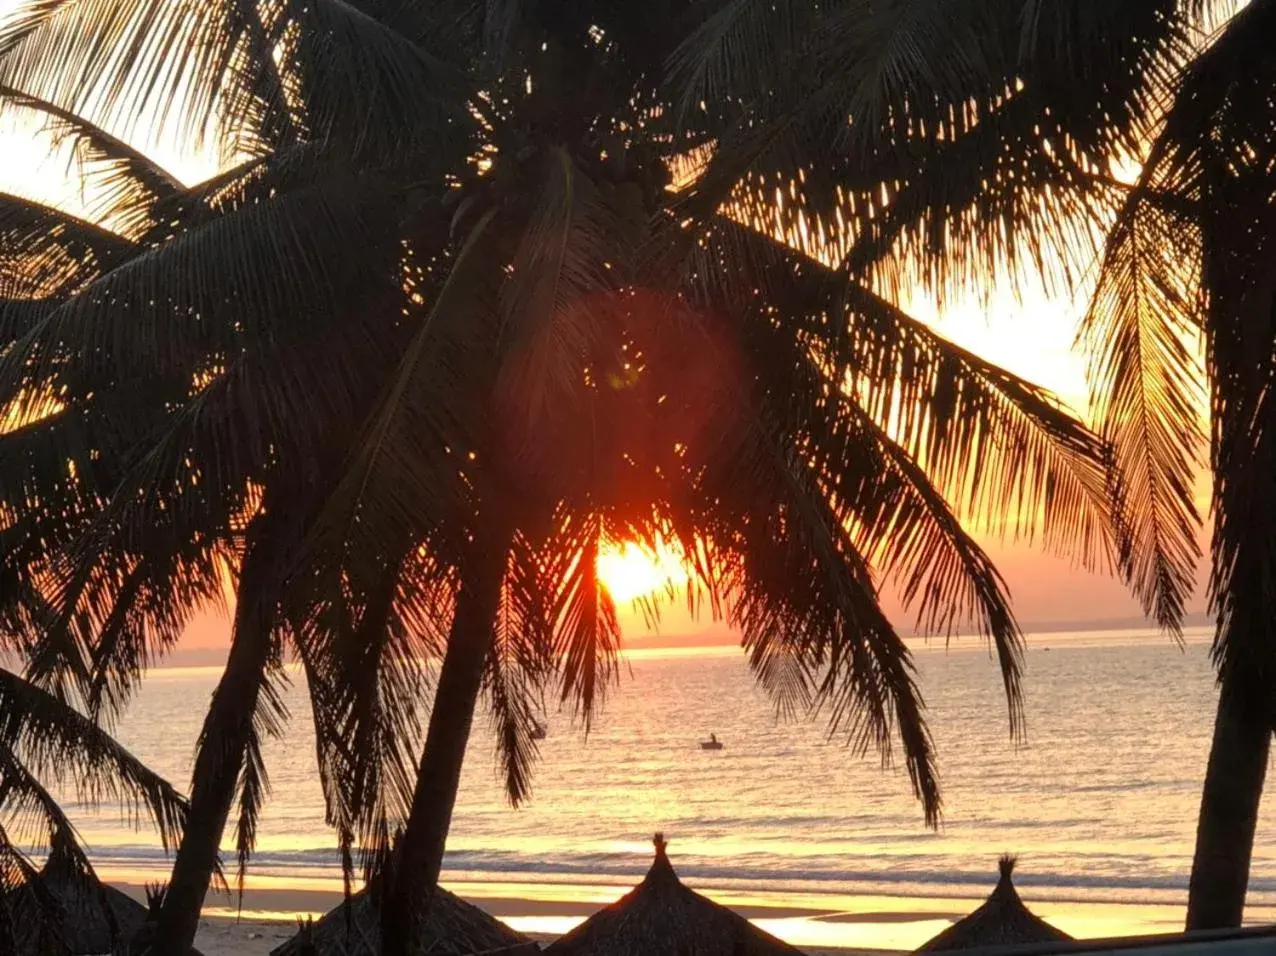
(270,916)
(264,927)
(228,937)
(270,910)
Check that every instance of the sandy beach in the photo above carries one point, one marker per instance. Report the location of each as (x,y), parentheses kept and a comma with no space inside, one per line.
(814,923)
(227,936)
(270,916)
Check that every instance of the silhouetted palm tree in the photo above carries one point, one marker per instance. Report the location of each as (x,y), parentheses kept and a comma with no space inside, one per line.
(1192,256)
(442,335)
(996,128)
(127,509)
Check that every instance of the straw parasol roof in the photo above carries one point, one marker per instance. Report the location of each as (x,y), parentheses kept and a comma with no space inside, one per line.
(95,918)
(661,917)
(453,928)
(1002,920)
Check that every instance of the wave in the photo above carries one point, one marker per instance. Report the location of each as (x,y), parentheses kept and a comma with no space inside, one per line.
(909,877)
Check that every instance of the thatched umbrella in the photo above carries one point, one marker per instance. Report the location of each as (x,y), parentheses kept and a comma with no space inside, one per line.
(453,928)
(1001,921)
(661,917)
(93,917)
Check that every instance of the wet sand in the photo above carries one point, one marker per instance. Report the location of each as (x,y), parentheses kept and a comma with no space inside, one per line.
(226,936)
(270,916)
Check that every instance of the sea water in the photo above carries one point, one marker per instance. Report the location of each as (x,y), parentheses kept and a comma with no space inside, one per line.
(1099,800)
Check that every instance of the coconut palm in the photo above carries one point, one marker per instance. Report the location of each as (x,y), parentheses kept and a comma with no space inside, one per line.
(49,748)
(997,127)
(1207,191)
(93,457)
(440,334)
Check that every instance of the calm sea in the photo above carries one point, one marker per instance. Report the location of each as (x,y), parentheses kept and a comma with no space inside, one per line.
(1100,802)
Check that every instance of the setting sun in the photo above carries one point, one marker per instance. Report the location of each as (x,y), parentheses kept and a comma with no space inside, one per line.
(630,571)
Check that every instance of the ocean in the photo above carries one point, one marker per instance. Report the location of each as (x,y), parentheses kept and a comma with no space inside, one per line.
(1099,802)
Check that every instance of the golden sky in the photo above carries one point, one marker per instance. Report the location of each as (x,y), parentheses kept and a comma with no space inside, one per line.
(1030,334)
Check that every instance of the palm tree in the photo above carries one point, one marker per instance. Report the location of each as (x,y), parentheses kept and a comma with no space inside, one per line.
(1208,190)
(995,129)
(442,334)
(125,510)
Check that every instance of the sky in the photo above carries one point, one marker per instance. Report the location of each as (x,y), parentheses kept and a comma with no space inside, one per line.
(1030,333)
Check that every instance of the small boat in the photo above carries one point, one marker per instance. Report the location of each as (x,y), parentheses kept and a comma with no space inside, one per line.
(538,731)
(713,743)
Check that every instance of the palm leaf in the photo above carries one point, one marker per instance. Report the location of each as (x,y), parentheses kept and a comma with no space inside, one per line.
(800,590)
(1146,389)
(48,253)
(125,63)
(404,97)
(166,310)
(364,665)
(268,719)
(124,185)
(1039,469)
(587,635)
(59,744)
(736,52)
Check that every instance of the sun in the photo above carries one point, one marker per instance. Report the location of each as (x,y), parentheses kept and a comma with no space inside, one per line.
(630,571)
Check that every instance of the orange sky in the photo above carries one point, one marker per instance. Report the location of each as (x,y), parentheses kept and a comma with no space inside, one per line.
(1031,336)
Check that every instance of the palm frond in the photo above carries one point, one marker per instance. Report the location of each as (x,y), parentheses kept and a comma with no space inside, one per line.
(511,704)
(383,464)
(58,743)
(800,590)
(119,185)
(166,310)
(268,719)
(450,31)
(736,53)
(962,138)
(587,635)
(19,315)
(36,818)
(1155,295)
(501,21)
(906,528)
(134,65)
(520,666)
(247,705)
(135,621)
(46,253)
(1036,467)
(1216,155)
(553,308)
(406,101)
(364,665)
(1147,394)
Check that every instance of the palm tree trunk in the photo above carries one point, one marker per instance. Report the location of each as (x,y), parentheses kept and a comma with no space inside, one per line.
(223,745)
(1229,806)
(420,852)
